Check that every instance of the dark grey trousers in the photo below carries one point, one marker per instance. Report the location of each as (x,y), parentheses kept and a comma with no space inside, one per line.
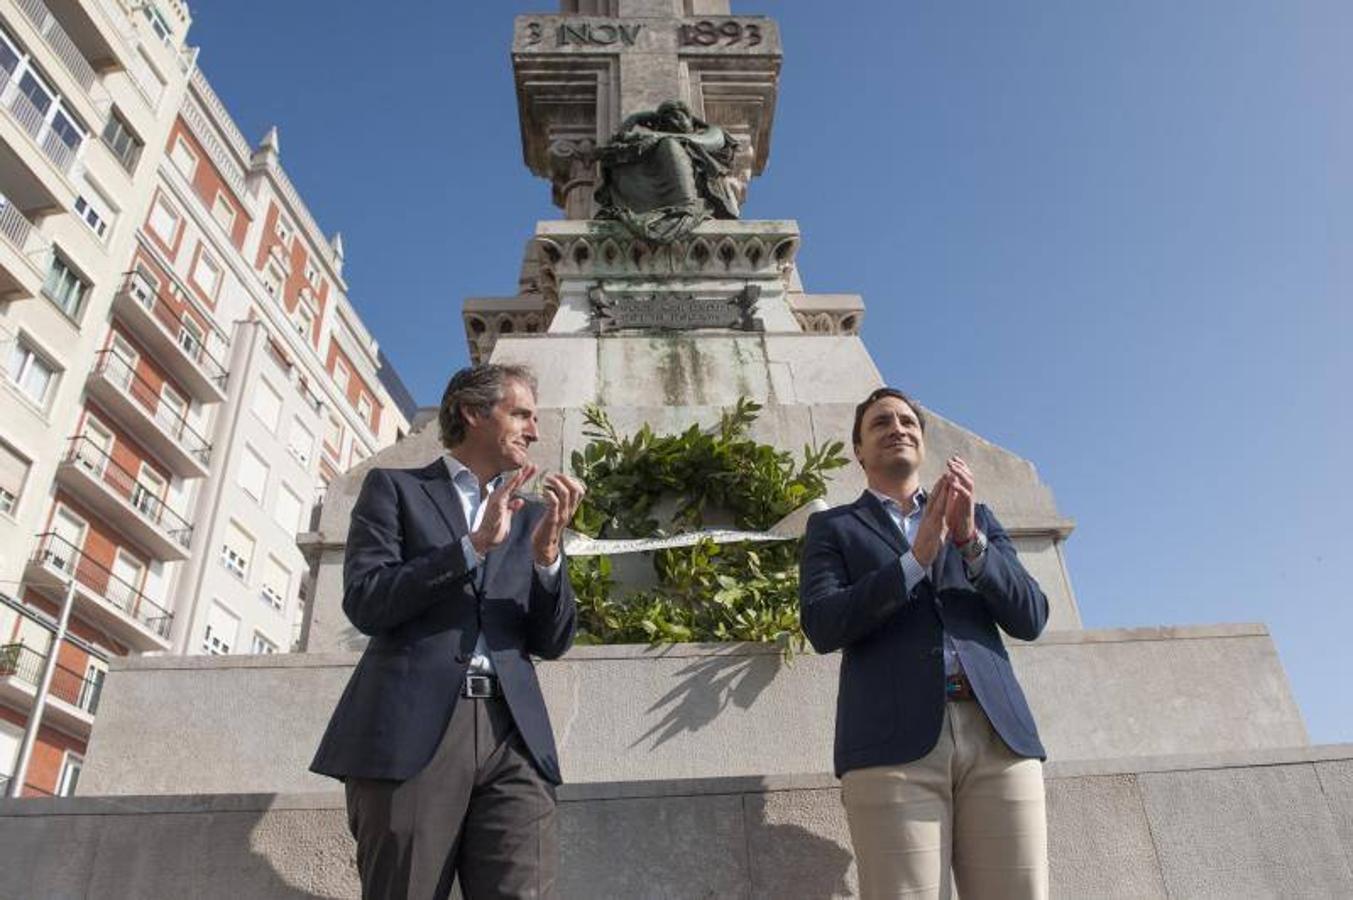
(479,810)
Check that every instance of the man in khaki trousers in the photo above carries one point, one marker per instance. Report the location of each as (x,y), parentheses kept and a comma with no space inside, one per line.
(938,755)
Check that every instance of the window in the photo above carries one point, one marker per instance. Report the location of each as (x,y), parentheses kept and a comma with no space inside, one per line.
(183,158)
(287,510)
(276,584)
(172,412)
(11,736)
(66,129)
(301,443)
(129,574)
(207,273)
(222,625)
(164,221)
(273,281)
(190,337)
(237,550)
(341,374)
(267,405)
(364,408)
(144,286)
(311,275)
(262,645)
(122,366)
(70,774)
(122,141)
(95,446)
(283,230)
(31,373)
(333,436)
(148,494)
(158,23)
(303,319)
(68,536)
(92,216)
(95,672)
(13,474)
(65,288)
(252,474)
(223,211)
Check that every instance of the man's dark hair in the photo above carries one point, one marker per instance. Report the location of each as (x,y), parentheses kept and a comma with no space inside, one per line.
(476,389)
(875,397)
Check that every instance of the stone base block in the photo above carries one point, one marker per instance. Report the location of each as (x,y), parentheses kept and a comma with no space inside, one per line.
(1238,825)
(213,724)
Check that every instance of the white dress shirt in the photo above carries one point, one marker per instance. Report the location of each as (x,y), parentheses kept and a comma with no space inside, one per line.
(912,571)
(472,504)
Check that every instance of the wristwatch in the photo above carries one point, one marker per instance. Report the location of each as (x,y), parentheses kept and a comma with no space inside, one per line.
(975,547)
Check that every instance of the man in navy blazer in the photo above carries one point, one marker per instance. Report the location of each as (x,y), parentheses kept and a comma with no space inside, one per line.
(442,737)
(939,758)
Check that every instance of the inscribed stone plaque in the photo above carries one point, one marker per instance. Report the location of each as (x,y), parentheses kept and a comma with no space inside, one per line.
(674,311)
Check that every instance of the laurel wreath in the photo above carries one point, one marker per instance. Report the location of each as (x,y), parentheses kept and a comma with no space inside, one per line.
(707,591)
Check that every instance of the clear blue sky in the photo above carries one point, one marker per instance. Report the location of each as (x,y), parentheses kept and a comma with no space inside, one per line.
(1114,238)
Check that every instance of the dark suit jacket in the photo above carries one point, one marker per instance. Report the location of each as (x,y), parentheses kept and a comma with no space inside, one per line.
(408,584)
(890,705)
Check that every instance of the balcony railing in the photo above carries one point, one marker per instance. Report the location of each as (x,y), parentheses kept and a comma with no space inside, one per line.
(115,369)
(20,232)
(201,350)
(95,460)
(65,49)
(34,121)
(55,552)
(24,663)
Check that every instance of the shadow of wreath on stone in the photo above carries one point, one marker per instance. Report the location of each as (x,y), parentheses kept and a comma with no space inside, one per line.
(707,688)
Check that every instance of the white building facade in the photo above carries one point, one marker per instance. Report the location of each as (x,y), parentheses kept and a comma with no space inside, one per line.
(183,370)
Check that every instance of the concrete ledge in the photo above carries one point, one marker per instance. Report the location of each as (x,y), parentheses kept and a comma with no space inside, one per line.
(245,724)
(672,651)
(1212,826)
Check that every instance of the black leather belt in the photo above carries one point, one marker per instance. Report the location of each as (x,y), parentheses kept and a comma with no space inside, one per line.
(481,687)
(958,687)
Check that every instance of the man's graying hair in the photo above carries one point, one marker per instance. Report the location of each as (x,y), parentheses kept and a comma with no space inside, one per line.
(476,389)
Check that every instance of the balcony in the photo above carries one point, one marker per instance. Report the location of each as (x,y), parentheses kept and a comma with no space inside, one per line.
(115,605)
(32,146)
(72,699)
(71,58)
(192,358)
(138,407)
(24,253)
(89,473)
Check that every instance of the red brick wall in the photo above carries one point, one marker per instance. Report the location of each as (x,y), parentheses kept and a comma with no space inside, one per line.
(126,451)
(356,386)
(44,767)
(208,183)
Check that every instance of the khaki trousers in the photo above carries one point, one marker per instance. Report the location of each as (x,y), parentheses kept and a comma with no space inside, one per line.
(970,803)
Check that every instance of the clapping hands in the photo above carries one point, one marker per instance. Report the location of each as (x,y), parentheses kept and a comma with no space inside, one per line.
(949,512)
(562,494)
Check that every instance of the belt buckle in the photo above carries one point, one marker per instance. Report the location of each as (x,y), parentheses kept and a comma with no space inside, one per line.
(480,687)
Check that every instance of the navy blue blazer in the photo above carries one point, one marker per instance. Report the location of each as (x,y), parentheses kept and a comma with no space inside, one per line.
(890,701)
(408,584)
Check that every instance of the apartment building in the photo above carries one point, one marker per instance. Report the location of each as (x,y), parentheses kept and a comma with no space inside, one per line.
(183,370)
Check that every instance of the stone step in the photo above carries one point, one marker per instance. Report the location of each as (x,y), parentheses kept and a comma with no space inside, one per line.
(1258,823)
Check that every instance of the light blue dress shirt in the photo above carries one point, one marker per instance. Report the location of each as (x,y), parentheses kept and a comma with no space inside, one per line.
(912,571)
(472,504)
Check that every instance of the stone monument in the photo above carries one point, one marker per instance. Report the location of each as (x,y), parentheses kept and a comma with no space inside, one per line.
(1179,763)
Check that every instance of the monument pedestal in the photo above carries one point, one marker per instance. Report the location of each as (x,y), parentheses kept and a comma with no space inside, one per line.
(1179,763)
